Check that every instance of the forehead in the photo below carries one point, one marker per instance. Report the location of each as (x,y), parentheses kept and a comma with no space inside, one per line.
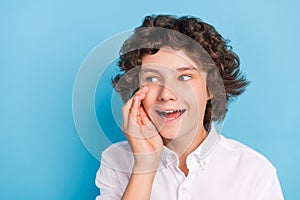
(169,58)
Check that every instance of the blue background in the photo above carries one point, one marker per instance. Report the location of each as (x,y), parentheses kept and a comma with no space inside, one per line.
(43,43)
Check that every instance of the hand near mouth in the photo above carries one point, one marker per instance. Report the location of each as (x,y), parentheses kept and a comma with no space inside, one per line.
(142,135)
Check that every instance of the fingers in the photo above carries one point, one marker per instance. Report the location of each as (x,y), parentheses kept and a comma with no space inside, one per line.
(125,111)
(131,107)
(133,112)
(144,117)
(137,99)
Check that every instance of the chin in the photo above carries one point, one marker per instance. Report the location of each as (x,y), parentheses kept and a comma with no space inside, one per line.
(172,132)
(169,133)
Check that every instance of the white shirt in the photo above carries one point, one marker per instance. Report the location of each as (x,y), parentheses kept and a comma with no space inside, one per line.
(219,169)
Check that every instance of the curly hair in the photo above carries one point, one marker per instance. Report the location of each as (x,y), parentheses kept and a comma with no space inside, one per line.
(224,79)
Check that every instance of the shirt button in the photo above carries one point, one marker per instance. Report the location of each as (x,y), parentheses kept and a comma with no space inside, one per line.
(204,162)
(184,189)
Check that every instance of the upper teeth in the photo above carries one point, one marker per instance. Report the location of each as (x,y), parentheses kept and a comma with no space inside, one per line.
(171,111)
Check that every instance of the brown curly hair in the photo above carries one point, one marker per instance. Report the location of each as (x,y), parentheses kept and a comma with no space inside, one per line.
(224,79)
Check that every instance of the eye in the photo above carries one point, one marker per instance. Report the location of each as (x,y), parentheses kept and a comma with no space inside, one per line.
(152,79)
(184,77)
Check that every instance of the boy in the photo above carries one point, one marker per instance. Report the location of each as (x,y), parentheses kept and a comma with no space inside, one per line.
(180,75)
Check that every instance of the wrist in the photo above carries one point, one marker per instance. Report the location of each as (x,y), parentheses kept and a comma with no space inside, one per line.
(146,163)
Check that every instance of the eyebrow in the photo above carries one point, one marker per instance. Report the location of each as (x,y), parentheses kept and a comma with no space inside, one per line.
(180,69)
(147,70)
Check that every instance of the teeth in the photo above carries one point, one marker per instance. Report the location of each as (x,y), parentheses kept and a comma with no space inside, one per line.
(165,113)
(171,111)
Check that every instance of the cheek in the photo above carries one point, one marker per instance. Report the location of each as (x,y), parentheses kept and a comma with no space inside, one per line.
(197,95)
(150,99)
(146,104)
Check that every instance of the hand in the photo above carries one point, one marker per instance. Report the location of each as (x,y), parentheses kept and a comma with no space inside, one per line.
(142,135)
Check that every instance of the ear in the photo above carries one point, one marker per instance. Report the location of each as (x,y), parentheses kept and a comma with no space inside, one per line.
(209,94)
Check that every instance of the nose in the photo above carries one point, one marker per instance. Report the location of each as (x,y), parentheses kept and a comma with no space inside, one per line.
(165,94)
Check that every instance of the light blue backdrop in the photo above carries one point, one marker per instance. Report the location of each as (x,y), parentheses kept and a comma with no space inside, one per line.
(43,43)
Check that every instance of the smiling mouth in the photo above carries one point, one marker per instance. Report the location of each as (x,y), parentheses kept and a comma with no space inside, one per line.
(170,114)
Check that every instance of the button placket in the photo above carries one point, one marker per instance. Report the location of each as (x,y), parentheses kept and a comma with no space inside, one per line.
(185,189)
(183,192)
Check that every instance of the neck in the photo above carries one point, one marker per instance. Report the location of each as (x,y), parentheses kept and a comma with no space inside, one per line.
(187,143)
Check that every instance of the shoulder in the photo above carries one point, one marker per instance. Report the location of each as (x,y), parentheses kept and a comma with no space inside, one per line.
(251,170)
(116,147)
(245,156)
(118,156)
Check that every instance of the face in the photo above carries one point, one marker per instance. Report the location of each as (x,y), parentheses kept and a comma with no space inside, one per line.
(177,95)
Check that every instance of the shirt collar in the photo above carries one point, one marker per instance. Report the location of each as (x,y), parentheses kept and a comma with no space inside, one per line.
(200,153)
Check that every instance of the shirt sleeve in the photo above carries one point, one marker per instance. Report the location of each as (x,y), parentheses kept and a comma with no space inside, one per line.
(108,183)
(273,190)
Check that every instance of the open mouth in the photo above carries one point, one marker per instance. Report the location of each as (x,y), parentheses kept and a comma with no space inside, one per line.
(170,114)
